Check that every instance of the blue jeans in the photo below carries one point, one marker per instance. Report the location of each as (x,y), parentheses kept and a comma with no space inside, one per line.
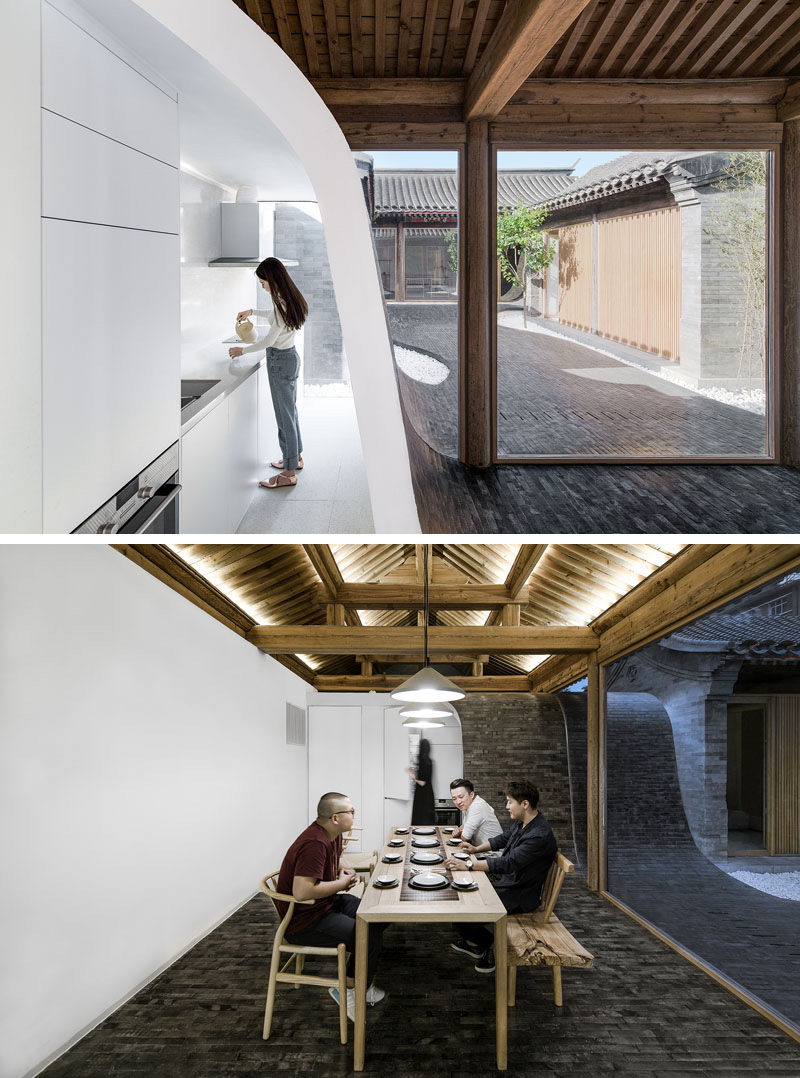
(283,367)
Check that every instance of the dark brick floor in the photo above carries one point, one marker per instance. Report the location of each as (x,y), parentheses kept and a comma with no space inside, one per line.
(641,1011)
(555,399)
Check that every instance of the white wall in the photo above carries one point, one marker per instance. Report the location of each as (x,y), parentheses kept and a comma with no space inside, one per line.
(210,298)
(20,298)
(142,760)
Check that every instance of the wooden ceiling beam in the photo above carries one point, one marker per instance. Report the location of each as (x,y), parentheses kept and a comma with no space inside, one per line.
(456,11)
(322,558)
(722,37)
(789,105)
(623,39)
(254,11)
(600,34)
(427,38)
(630,91)
(674,34)
(387,682)
(332,35)
(410,596)
(356,38)
(528,557)
(381,640)
(380,38)
(701,32)
(404,37)
(309,39)
(526,32)
(475,35)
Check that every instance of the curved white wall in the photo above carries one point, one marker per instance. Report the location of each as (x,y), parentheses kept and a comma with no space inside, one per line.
(228,40)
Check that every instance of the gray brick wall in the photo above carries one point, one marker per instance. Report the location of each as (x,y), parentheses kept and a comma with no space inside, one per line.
(518,735)
(298,234)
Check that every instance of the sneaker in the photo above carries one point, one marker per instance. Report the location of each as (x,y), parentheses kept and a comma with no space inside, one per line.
(351,1001)
(374,994)
(485,963)
(465,947)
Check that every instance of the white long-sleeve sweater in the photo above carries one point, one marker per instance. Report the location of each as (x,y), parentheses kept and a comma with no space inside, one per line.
(277,336)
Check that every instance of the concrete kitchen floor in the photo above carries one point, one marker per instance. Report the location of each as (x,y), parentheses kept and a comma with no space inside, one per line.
(331,495)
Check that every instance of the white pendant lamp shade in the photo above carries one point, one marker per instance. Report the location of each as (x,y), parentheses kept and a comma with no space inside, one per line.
(426,711)
(427,686)
(422,724)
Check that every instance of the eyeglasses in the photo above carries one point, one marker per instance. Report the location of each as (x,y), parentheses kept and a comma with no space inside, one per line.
(344,812)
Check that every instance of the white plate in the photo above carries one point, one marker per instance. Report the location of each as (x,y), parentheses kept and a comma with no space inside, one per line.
(393,857)
(425,842)
(424,830)
(395,842)
(448,830)
(462,856)
(429,858)
(401,830)
(385,879)
(429,879)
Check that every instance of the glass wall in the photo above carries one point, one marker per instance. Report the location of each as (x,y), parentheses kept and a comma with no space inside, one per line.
(703,789)
(413,200)
(633,300)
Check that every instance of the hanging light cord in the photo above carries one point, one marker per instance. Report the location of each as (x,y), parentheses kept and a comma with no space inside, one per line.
(425,599)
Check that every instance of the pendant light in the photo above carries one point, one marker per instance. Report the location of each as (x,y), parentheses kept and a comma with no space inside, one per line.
(425,716)
(427,686)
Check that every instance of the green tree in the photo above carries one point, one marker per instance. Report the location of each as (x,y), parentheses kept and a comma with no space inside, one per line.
(521,230)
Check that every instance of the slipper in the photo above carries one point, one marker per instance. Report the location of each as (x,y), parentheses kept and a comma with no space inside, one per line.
(276,481)
(279,465)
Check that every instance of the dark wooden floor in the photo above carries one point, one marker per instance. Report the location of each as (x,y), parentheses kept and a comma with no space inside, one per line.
(536,499)
(641,1011)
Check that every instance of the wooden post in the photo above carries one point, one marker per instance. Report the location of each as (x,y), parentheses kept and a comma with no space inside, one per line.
(477,350)
(511,614)
(595,779)
(366,667)
(400,282)
(788,319)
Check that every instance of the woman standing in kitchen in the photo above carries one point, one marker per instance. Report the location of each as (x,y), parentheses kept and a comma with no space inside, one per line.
(423,808)
(290,311)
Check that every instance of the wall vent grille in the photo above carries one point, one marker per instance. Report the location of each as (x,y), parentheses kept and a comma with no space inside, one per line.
(295,725)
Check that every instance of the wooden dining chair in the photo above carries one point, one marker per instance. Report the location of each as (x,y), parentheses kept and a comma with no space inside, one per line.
(297,954)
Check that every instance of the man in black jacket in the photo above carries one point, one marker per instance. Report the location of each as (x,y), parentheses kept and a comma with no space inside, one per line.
(529,849)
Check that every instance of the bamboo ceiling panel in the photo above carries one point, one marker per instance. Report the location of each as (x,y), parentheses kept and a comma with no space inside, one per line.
(634,39)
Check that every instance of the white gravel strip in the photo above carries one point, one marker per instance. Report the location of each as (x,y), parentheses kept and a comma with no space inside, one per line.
(420,367)
(779,884)
(751,400)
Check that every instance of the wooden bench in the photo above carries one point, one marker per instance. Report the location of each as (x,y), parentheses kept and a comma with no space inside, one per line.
(540,939)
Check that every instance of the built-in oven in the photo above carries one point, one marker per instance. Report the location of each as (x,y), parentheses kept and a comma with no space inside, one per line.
(148,503)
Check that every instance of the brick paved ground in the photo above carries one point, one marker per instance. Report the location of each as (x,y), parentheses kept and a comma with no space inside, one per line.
(641,1011)
(558,398)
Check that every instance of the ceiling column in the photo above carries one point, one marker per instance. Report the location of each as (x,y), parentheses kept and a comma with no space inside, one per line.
(478,215)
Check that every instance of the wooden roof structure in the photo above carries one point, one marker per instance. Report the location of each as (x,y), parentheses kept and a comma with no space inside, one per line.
(632,39)
(503,617)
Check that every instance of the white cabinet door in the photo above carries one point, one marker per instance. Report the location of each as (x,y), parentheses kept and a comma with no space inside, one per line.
(396,783)
(87,83)
(205,504)
(243,447)
(334,758)
(88,177)
(111,362)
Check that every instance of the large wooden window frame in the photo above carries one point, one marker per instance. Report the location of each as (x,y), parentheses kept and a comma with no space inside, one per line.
(772,357)
(597,799)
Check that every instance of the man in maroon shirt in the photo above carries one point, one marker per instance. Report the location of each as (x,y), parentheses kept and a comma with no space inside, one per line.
(311,869)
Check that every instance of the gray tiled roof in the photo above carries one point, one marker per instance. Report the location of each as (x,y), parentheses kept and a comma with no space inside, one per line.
(434,191)
(624,173)
(742,634)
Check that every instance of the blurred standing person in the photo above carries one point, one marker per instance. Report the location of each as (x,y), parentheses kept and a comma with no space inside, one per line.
(422,810)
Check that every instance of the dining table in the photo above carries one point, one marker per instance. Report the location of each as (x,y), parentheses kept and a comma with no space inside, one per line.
(402,903)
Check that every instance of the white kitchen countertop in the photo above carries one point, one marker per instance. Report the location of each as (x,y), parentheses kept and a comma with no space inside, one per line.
(212,362)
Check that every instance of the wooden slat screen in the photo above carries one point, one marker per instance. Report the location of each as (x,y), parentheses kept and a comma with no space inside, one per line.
(639,281)
(575,275)
(783,776)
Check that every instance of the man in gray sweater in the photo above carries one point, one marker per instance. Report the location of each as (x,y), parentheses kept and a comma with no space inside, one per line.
(480,823)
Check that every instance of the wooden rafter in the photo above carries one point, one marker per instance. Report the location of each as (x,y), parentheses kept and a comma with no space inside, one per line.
(526,32)
(701,32)
(747,40)
(356,38)
(663,12)
(673,34)
(332,34)
(719,40)
(478,23)
(387,682)
(623,39)
(284,30)
(380,38)
(309,40)
(599,36)
(431,7)
(571,43)
(456,11)
(404,37)
(254,11)
(410,596)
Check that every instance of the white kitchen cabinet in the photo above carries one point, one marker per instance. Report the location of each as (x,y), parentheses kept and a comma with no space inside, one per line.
(111,362)
(219,465)
(243,443)
(86,82)
(88,177)
(205,504)
(334,759)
